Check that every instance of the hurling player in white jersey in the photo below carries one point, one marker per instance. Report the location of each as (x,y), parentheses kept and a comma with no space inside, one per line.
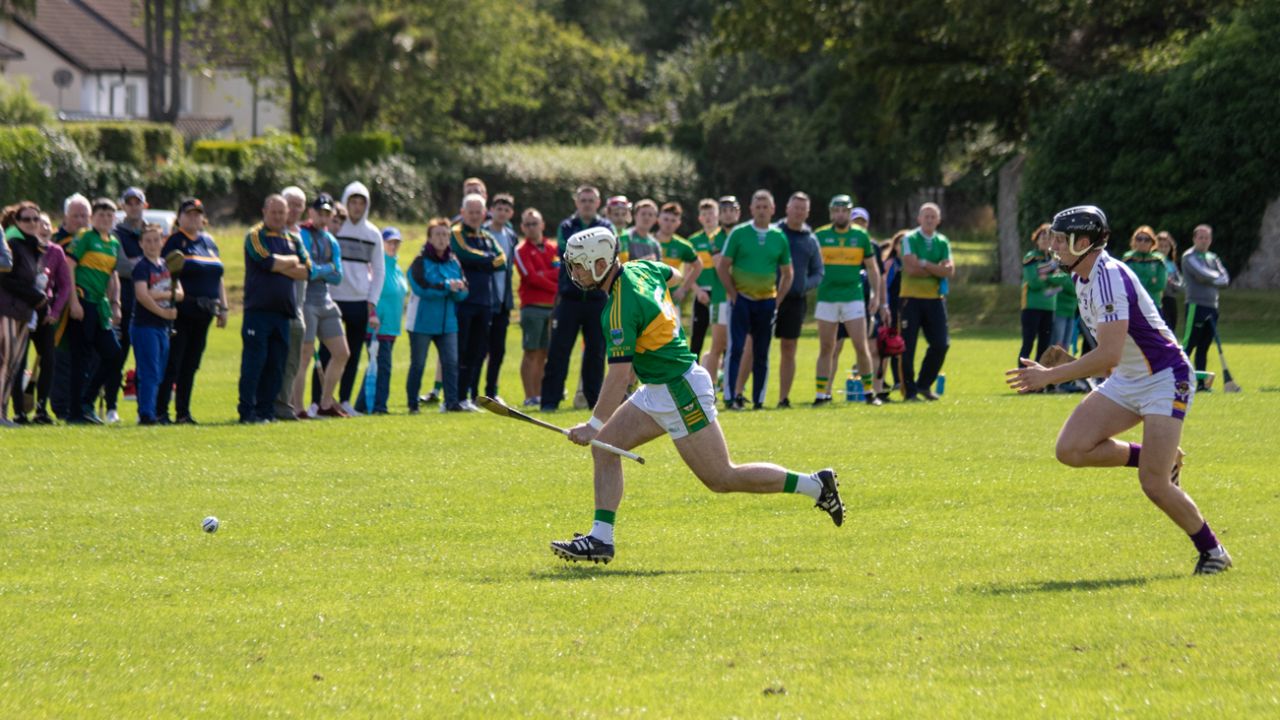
(1150,381)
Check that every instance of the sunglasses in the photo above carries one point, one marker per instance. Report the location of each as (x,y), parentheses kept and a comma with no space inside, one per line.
(28,218)
(1144,238)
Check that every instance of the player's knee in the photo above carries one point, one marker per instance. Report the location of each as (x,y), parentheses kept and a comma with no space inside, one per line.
(1069,454)
(1155,486)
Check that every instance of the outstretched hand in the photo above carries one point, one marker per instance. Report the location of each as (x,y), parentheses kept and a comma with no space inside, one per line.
(1032,376)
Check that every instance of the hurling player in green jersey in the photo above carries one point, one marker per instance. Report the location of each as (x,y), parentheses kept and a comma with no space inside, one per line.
(643,335)
(846,250)
(709,309)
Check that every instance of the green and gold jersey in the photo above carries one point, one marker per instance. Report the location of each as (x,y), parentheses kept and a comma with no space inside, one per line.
(95,258)
(638,247)
(757,254)
(1151,271)
(843,253)
(933,250)
(642,324)
(677,251)
(707,247)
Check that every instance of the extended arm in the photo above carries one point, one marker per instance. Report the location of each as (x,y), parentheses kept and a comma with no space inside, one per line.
(1033,376)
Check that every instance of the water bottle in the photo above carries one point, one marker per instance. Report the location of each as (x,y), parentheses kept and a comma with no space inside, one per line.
(942,383)
(853,390)
(943,288)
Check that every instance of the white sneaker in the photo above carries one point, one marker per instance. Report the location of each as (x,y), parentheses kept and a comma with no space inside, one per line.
(469,406)
(346,407)
(313,411)
(113,417)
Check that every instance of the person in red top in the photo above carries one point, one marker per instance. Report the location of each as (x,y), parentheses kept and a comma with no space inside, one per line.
(539,269)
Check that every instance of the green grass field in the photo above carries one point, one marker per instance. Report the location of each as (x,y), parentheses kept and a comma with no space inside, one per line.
(398,566)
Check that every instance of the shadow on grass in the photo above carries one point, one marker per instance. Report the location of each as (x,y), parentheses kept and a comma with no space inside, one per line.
(594,572)
(1057,586)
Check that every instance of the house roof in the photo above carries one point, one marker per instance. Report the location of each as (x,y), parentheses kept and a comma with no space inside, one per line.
(9,52)
(80,32)
(195,127)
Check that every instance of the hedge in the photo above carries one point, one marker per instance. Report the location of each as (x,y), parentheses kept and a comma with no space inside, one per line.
(261,166)
(355,149)
(545,176)
(39,164)
(139,144)
(1174,147)
(398,189)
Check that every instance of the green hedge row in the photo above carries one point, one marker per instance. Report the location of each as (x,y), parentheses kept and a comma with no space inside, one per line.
(39,164)
(545,176)
(1174,147)
(139,144)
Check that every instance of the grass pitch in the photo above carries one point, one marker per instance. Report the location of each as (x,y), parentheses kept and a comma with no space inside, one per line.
(398,566)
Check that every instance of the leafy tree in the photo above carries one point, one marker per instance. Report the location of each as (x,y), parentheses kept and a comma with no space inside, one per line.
(20,106)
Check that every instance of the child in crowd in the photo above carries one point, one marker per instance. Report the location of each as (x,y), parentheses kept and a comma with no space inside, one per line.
(157,295)
(435,278)
(390,308)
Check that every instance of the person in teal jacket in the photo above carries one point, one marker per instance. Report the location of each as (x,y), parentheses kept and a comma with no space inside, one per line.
(437,284)
(1147,263)
(390,311)
(1042,282)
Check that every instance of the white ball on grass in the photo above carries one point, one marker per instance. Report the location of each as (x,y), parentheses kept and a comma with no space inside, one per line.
(210,524)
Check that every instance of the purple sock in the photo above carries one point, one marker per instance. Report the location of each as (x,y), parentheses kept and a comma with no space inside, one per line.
(1135,449)
(1204,539)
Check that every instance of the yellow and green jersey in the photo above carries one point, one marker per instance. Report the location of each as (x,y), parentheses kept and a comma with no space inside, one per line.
(707,247)
(95,258)
(642,324)
(757,254)
(1042,282)
(677,251)
(932,250)
(638,247)
(843,253)
(1151,271)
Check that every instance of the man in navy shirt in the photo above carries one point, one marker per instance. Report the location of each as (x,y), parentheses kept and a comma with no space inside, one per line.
(576,309)
(273,260)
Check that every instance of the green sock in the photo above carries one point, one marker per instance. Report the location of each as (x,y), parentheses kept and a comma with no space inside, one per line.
(438,386)
(606,516)
(866,381)
(792,480)
(602,528)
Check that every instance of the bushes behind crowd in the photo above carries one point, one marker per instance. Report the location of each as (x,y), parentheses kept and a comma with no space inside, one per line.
(1172,144)
(232,176)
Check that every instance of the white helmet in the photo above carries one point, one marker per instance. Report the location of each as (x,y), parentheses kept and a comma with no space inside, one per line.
(586,247)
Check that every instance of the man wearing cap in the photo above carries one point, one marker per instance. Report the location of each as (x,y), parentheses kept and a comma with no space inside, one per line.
(501,209)
(204,301)
(322,318)
(274,260)
(129,232)
(807,260)
(286,410)
(755,268)
(846,251)
(576,309)
(618,211)
(926,258)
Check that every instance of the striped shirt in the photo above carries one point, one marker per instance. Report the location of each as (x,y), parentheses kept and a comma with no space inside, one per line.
(1112,293)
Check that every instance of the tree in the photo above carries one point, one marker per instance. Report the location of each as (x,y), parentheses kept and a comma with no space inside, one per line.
(162,27)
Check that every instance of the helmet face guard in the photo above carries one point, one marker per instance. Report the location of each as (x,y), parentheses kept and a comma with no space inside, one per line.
(584,249)
(1086,222)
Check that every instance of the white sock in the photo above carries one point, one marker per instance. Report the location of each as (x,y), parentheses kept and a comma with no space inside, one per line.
(809,485)
(602,531)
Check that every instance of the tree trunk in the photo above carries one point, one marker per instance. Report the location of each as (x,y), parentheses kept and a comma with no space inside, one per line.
(1010,247)
(175,64)
(1263,269)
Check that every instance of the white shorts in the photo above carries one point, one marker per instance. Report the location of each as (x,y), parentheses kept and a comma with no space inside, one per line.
(838,312)
(720,313)
(1168,392)
(682,407)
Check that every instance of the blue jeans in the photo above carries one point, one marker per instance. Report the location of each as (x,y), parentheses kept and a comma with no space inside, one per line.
(381,386)
(754,317)
(447,346)
(266,342)
(151,352)
(1062,326)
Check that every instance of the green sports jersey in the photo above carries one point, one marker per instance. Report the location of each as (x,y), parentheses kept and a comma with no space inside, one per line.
(1151,271)
(933,250)
(638,247)
(677,251)
(843,255)
(707,247)
(642,324)
(95,258)
(1066,305)
(757,254)
(1042,281)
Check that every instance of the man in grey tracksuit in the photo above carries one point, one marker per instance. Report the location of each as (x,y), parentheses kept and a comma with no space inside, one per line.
(1202,274)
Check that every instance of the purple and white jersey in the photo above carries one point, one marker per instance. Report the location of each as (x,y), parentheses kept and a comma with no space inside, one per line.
(1113,293)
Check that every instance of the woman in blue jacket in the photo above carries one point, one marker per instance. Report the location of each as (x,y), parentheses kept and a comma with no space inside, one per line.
(436,285)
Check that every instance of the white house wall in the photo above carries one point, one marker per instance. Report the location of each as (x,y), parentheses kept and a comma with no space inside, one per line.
(223,93)
(39,64)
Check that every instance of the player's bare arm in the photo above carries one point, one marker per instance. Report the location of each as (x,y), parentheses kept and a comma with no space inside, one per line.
(724,269)
(612,394)
(873,282)
(786,274)
(1098,361)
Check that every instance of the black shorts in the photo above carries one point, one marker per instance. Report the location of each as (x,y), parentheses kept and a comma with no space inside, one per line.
(790,317)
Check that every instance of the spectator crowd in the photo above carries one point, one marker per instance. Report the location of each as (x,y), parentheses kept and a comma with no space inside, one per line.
(324,287)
